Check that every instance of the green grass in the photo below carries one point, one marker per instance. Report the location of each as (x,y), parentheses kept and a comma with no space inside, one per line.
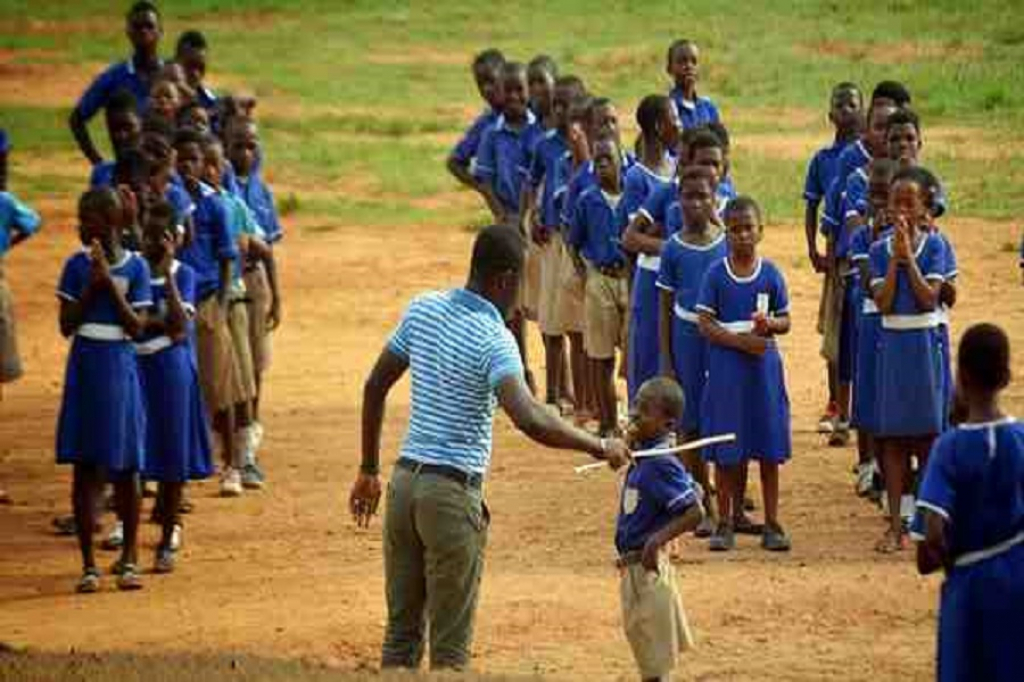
(383,87)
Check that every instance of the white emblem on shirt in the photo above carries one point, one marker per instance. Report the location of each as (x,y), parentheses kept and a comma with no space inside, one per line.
(762,303)
(630,500)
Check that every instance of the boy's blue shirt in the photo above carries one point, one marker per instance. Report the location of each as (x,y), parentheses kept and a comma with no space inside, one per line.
(15,218)
(502,154)
(854,156)
(700,112)
(115,77)
(212,241)
(466,148)
(821,171)
(545,167)
(596,229)
(260,200)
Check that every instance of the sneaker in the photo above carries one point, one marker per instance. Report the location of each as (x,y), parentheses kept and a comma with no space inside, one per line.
(230,483)
(840,437)
(723,539)
(256,435)
(114,539)
(89,582)
(176,538)
(865,479)
(827,422)
(252,477)
(775,539)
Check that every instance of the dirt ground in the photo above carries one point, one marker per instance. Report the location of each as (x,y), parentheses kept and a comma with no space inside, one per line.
(284,573)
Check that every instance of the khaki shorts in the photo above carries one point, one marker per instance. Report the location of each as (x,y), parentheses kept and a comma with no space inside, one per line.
(238,324)
(10,360)
(653,617)
(258,288)
(529,283)
(218,368)
(568,315)
(830,314)
(550,256)
(605,306)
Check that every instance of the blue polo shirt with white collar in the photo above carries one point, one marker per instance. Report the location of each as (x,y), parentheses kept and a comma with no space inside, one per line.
(503,154)
(696,113)
(115,77)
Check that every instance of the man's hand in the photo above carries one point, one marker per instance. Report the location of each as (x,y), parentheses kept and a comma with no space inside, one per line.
(364,499)
(616,453)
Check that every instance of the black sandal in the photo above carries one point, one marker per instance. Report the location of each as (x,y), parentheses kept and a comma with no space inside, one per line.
(89,582)
(128,580)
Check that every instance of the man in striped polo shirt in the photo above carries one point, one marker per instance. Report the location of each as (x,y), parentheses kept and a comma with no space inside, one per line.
(464,362)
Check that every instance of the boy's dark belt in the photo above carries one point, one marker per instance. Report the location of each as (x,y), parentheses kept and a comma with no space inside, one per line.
(629,558)
(618,270)
(469,480)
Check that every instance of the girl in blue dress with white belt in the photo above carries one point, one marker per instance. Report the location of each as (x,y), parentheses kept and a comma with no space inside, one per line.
(907,274)
(178,435)
(685,258)
(970,521)
(104,293)
(743,306)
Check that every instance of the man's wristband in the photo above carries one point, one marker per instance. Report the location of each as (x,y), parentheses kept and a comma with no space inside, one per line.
(369,469)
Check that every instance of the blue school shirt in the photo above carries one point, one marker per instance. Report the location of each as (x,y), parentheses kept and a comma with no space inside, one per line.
(15,218)
(695,114)
(821,171)
(683,267)
(975,480)
(662,206)
(5,142)
(260,200)
(466,148)
(733,300)
(854,156)
(130,276)
(121,75)
(185,279)
(211,242)
(545,170)
(502,156)
(640,183)
(656,490)
(931,260)
(596,229)
(581,179)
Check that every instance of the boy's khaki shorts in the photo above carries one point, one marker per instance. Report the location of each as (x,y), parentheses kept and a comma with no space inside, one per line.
(258,289)
(10,360)
(238,324)
(605,305)
(218,368)
(653,617)
(568,314)
(830,314)
(550,257)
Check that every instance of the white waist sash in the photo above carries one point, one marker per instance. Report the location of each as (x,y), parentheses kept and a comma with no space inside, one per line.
(686,315)
(869,307)
(910,322)
(101,332)
(154,345)
(648,262)
(971,558)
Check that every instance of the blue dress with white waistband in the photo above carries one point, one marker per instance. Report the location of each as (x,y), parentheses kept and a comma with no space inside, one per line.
(682,269)
(869,325)
(974,480)
(949,273)
(745,394)
(102,418)
(178,434)
(909,374)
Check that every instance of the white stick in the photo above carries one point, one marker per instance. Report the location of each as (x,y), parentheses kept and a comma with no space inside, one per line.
(659,452)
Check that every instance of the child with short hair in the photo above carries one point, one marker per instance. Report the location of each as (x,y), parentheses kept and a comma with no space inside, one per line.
(143,27)
(683,67)
(659,502)
(970,520)
(594,237)
(743,305)
(165,98)
(541,74)
(177,434)
(104,293)
(486,68)
(196,117)
(656,148)
(191,53)
(124,130)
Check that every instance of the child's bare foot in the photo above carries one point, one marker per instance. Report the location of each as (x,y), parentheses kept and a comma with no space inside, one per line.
(892,542)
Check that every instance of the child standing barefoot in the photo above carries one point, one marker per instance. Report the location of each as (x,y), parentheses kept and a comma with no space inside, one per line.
(104,292)
(743,305)
(970,521)
(659,502)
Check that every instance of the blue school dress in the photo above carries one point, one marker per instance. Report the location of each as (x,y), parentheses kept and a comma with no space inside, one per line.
(178,435)
(869,324)
(102,416)
(949,273)
(682,269)
(909,370)
(745,394)
(974,480)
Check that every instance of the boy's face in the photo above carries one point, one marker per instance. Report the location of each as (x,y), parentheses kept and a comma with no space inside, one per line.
(125,130)
(712,159)
(875,136)
(164,99)
(904,142)
(649,420)
(683,65)
(604,123)
(243,148)
(878,193)
(154,234)
(193,62)
(907,201)
(607,163)
(487,84)
(541,86)
(513,96)
(197,119)
(190,162)
(144,31)
(213,165)
(561,105)
(697,200)
(97,224)
(743,230)
(845,111)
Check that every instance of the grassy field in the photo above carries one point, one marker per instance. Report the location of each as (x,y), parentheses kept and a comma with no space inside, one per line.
(360,103)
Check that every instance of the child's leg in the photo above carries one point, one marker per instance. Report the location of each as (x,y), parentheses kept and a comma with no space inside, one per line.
(554,360)
(770,493)
(740,491)
(725,485)
(895,475)
(127,494)
(580,373)
(84,489)
(517,325)
(170,498)
(224,424)
(604,382)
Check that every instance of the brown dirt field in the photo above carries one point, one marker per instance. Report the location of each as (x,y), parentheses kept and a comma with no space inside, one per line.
(285,574)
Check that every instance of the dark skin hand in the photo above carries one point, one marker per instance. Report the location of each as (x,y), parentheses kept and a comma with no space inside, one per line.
(933,553)
(683,523)
(72,313)
(174,324)
(811,231)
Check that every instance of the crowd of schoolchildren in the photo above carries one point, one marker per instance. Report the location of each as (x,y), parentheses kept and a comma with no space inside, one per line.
(169,304)
(647,250)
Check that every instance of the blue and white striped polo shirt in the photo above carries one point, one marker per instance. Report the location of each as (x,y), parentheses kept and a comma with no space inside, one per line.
(458,350)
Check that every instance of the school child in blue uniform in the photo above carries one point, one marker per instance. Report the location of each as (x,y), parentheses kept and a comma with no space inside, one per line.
(190,52)
(685,258)
(743,306)
(970,521)
(659,502)
(656,163)
(486,68)
(541,74)
(907,273)
(137,74)
(682,66)
(124,129)
(594,236)
(177,434)
(104,293)
(864,415)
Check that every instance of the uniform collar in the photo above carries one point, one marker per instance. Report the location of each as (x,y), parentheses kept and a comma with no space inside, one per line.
(130,64)
(500,124)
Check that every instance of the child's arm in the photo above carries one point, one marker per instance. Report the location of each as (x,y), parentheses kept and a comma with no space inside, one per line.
(259,250)
(527,203)
(683,523)
(460,171)
(80,130)
(811,234)
(637,237)
(716,334)
(926,292)
(933,552)
(176,322)
(666,300)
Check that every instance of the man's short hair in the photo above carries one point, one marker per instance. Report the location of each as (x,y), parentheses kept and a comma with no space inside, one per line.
(497,249)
